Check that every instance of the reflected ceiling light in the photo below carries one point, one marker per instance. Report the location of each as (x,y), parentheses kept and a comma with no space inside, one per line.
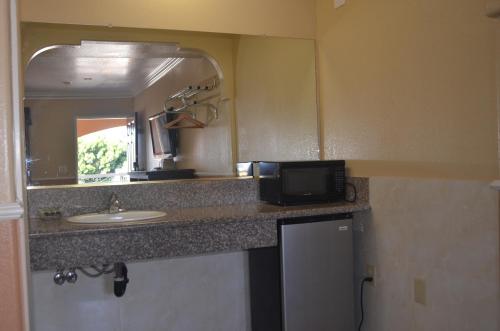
(114,71)
(110,49)
(134,50)
(85,66)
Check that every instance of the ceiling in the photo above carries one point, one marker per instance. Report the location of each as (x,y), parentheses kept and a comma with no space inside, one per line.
(100,69)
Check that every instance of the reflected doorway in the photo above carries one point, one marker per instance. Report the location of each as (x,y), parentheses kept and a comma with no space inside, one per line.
(106,149)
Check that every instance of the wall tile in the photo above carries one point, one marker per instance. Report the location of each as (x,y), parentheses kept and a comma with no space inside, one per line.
(443,231)
(208,293)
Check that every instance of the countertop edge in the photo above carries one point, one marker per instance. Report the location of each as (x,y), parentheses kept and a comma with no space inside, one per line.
(310,210)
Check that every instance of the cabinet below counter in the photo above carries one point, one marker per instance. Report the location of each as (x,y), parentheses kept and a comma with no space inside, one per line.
(182,232)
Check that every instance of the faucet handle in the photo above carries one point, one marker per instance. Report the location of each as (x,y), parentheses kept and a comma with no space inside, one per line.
(59,277)
(113,198)
(115,204)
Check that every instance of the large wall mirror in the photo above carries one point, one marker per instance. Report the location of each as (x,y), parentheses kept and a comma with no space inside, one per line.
(112,105)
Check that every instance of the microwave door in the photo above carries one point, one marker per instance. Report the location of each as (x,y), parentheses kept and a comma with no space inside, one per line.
(306,182)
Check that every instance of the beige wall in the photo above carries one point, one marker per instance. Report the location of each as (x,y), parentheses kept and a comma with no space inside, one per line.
(208,150)
(53,133)
(408,88)
(291,18)
(444,232)
(398,96)
(276,99)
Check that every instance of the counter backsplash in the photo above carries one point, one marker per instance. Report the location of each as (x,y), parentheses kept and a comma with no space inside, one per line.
(162,195)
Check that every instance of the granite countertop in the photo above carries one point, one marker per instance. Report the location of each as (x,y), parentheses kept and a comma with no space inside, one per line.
(183,232)
(184,217)
(203,217)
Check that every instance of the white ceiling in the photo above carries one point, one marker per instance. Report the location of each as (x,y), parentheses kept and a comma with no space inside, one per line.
(100,69)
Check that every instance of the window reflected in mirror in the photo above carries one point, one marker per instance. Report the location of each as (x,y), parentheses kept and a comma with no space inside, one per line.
(105,149)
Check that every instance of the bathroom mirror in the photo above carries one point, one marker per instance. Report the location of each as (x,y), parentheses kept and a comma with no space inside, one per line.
(89,101)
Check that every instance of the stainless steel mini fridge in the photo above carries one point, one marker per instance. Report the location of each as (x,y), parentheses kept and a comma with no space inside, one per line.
(316,258)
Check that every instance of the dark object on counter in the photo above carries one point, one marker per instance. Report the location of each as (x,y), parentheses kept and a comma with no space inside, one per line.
(50,214)
(162,175)
(302,182)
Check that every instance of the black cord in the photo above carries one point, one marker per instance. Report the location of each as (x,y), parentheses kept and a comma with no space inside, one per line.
(355,193)
(104,270)
(366,279)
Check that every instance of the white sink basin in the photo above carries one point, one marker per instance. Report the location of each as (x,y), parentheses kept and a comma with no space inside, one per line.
(121,217)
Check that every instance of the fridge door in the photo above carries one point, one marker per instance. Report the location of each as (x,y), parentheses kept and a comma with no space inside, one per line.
(317,275)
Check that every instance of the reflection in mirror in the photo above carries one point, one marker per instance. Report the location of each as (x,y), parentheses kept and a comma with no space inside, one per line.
(90,109)
(98,111)
(276,99)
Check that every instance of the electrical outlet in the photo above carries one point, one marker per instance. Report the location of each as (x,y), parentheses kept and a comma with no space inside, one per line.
(370,272)
(419,291)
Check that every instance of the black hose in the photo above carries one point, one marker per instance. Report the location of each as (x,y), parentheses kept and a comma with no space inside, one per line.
(366,279)
(104,270)
(354,193)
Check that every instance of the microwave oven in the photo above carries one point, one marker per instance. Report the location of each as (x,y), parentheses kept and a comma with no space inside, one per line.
(302,182)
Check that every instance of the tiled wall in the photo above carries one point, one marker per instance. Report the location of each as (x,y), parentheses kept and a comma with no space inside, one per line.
(444,232)
(208,293)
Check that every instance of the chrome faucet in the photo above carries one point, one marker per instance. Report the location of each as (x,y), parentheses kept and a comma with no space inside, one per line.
(114,205)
